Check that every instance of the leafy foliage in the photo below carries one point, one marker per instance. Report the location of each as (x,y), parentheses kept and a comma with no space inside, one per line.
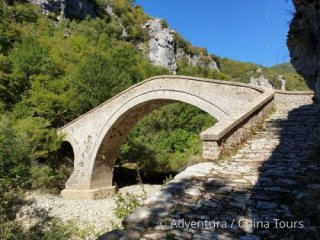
(238,71)
(48,229)
(166,140)
(14,167)
(132,18)
(102,76)
(127,202)
(294,81)
(187,46)
(37,136)
(184,68)
(242,72)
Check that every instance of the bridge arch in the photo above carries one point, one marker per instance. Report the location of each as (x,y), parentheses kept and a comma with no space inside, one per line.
(67,149)
(124,118)
(97,136)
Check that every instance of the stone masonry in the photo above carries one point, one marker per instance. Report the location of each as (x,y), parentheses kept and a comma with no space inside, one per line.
(269,189)
(96,136)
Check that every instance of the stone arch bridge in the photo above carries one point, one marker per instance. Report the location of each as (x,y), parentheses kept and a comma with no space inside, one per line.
(96,136)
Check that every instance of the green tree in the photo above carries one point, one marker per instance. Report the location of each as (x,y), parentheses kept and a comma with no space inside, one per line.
(51,99)
(36,134)
(8,30)
(103,75)
(29,58)
(14,167)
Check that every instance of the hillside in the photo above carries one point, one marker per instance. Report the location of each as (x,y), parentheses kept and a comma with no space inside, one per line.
(59,59)
(294,81)
(243,72)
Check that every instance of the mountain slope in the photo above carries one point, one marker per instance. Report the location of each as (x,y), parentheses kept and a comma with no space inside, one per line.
(165,47)
(294,81)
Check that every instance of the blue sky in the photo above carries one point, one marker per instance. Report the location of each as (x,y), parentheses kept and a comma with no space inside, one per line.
(246,30)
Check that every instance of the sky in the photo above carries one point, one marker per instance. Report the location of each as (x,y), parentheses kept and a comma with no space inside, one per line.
(245,30)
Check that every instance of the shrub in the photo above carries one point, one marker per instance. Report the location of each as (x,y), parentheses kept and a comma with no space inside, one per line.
(24,13)
(47,179)
(10,230)
(36,133)
(126,203)
(55,230)
(164,23)
(46,230)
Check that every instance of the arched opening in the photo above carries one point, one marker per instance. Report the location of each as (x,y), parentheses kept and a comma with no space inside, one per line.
(160,144)
(66,154)
(65,161)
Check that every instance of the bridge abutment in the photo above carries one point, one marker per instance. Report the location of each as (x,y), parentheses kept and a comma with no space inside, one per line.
(88,183)
(90,194)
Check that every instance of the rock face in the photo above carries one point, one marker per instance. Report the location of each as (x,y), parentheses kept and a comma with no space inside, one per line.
(261,81)
(161,45)
(304,42)
(163,50)
(78,9)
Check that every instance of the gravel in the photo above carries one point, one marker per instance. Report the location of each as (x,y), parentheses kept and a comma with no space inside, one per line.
(96,213)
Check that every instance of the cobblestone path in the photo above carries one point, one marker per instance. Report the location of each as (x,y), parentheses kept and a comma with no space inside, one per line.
(270,189)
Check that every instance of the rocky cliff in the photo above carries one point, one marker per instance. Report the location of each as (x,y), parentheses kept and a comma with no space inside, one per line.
(161,45)
(304,42)
(261,78)
(164,50)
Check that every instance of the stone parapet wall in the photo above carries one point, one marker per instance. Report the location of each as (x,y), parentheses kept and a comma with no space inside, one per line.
(296,98)
(223,139)
(213,149)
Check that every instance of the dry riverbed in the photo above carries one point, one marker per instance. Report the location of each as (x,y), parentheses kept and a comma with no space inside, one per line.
(98,214)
